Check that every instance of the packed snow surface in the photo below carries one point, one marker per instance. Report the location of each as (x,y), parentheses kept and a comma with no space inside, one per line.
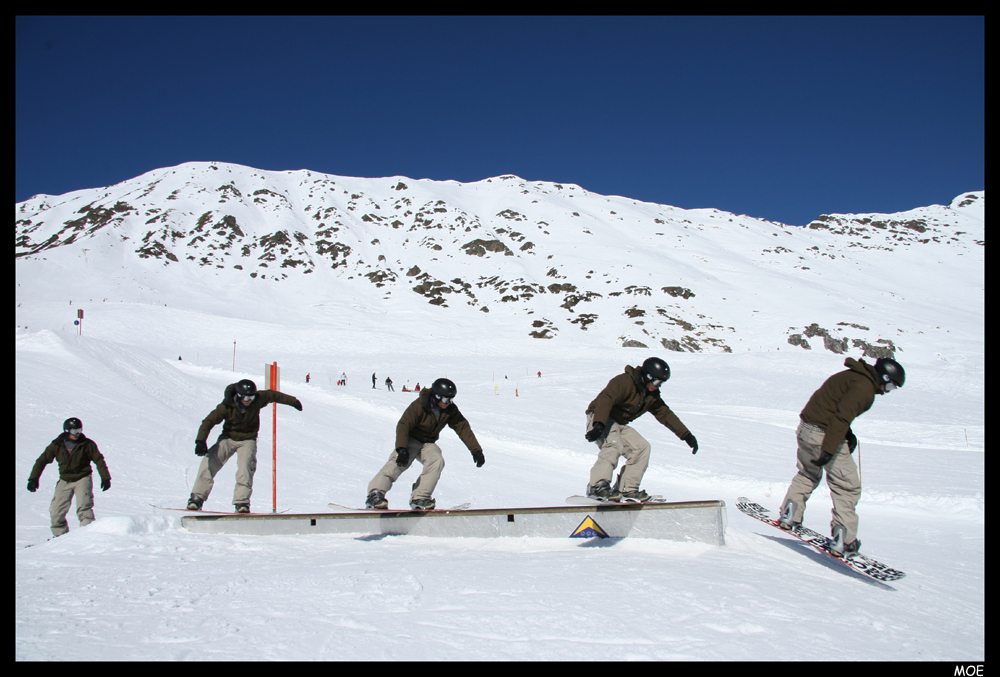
(135,585)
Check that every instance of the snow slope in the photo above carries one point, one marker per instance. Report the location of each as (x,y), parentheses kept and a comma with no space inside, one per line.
(136,586)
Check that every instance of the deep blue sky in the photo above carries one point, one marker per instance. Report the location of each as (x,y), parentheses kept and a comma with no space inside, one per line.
(779,118)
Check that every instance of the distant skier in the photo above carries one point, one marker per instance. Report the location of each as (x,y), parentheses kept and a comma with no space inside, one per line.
(74,452)
(388,384)
(239,414)
(373,380)
(307,378)
(416,434)
(343,377)
(825,440)
(627,397)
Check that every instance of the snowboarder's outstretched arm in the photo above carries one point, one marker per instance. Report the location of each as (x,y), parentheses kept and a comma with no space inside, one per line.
(214,418)
(48,455)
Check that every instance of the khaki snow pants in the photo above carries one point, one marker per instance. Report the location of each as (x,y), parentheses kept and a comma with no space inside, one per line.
(218,454)
(621,440)
(841,476)
(429,455)
(65,491)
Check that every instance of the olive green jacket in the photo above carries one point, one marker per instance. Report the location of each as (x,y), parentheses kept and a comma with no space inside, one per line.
(424,421)
(625,399)
(240,423)
(73,465)
(841,399)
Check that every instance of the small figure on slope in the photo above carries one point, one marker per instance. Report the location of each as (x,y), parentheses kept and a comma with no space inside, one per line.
(826,441)
(74,452)
(416,434)
(627,397)
(239,414)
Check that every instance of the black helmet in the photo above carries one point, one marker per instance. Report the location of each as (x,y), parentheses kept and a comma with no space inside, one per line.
(654,369)
(890,371)
(246,389)
(444,388)
(72,424)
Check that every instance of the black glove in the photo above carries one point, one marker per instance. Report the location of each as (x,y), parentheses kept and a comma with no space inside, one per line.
(200,448)
(402,456)
(105,484)
(32,485)
(852,440)
(297,405)
(692,442)
(823,459)
(595,433)
(478,457)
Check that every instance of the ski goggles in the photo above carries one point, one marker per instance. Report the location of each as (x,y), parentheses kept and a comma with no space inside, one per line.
(75,431)
(248,398)
(888,384)
(443,400)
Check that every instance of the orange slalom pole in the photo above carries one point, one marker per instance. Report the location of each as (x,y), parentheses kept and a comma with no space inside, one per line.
(274,443)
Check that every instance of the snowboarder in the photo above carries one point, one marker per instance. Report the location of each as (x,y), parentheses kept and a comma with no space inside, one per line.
(74,452)
(239,414)
(416,434)
(627,397)
(388,384)
(826,441)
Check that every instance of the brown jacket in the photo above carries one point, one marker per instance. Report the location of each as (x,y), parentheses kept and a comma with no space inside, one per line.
(841,399)
(424,421)
(241,424)
(625,399)
(73,465)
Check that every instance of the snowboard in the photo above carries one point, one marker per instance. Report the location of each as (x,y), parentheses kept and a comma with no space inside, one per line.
(590,500)
(859,562)
(218,512)
(459,507)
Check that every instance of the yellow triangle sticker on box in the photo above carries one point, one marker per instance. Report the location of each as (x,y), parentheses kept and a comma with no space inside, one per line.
(589,529)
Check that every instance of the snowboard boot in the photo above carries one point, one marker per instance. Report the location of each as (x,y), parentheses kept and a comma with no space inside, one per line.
(242,508)
(603,491)
(838,547)
(376,500)
(637,496)
(787,515)
(194,503)
(422,504)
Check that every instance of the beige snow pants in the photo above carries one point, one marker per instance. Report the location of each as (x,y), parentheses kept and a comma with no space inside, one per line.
(841,476)
(218,454)
(83,489)
(429,455)
(621,440)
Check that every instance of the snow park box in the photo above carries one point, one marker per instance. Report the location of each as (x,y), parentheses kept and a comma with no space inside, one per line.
(691,521)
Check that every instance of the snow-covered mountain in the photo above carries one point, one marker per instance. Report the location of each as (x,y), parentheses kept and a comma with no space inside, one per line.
(518,258)
(190,278)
